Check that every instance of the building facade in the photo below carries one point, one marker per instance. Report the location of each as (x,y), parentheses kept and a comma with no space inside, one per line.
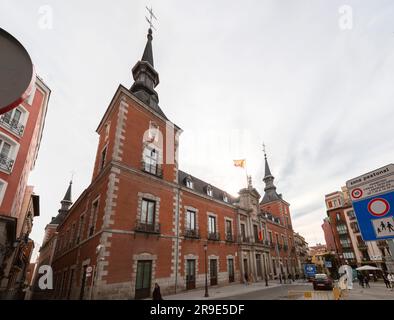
(279,228)
(20,136)
(302,249)
(143,221)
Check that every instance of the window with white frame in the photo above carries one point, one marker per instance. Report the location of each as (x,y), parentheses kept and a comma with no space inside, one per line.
(225,197)
(93,217)
(190,219)
(209,191)
(6,155)
(189,183)
(3,187)
(14,120)
(103,157)
(212,224)
(150,159)
(148,210)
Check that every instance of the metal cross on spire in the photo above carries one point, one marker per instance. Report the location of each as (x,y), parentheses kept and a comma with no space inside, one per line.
(150,19)
(72,175)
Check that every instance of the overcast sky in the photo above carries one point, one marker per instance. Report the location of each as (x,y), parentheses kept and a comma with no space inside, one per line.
(233,74)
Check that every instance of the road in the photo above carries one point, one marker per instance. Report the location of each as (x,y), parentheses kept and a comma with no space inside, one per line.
(275,293)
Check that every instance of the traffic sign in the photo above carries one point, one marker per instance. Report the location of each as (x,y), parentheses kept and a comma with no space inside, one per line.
(372,196)
(373,183)
(16,72)
(310,270)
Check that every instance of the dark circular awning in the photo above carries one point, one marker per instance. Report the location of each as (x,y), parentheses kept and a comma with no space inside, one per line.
(16,72)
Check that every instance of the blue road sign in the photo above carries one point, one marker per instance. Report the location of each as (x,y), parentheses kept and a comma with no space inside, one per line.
(310,270)
(375,216)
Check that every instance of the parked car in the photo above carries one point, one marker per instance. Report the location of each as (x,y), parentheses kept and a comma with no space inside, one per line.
(322,282)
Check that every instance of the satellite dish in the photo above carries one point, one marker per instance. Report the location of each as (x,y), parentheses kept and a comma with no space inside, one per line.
(16,72)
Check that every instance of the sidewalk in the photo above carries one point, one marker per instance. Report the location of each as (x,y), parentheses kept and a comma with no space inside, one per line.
(377,291)
(218,292)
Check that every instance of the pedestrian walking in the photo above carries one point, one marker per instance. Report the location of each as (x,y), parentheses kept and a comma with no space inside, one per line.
(360,280)
(366,281)
(386,280)
(246,276)
(390,278)
(156,293)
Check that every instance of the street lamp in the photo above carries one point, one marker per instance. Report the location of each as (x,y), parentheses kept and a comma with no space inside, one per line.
(206,271)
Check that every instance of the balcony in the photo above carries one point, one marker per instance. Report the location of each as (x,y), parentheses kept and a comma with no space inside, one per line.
(285,247)
(230,237)
(147,227)
(362,245)
(244,239)
(279,246)
(6,163)
(12,125)
(192,233)
(153,169)
(215,236)
(382,244)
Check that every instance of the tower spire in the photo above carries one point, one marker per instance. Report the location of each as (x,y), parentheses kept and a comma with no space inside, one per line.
(67,196)
(146,78)
(270,193)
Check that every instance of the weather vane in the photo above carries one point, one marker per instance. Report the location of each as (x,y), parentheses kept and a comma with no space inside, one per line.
(150,19)
(265,154)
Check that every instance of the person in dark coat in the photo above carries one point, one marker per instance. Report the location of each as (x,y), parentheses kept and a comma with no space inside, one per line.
(156,293)
(246,278)
(386,281)
(360,280)
(366,281)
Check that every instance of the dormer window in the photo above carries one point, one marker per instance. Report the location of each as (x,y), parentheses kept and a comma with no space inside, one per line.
(189,183)
(225,197)
(209,191)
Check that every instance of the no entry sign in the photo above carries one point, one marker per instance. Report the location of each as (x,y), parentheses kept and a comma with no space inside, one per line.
(16,72)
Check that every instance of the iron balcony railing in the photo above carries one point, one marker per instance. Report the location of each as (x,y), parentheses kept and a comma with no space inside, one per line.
(6,163)
(362,245)
(214,236)
(243,238)
(192,233)
(153,169)
(12,125)
(230,237)
(382,243)
(147,227)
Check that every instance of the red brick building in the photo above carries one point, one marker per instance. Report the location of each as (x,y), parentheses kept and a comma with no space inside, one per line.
(143,221)
(328,235)
(20,136)
(279,228)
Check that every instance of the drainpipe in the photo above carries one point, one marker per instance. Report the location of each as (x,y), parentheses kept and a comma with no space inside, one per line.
(177,237)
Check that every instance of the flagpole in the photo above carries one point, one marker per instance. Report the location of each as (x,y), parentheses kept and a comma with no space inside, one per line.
(247,179)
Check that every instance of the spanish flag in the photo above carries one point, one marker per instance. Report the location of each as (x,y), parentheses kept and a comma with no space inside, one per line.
(240,163)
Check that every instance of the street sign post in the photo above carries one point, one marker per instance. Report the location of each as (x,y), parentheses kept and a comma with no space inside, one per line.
(310,270)
(372,196)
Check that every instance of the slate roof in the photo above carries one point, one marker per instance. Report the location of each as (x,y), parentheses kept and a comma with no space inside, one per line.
(201,186)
